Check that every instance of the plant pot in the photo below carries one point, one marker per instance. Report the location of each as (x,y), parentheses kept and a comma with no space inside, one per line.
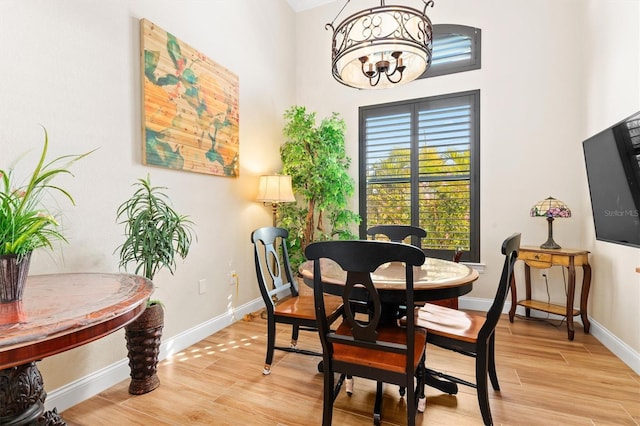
(13,276)
(143,343)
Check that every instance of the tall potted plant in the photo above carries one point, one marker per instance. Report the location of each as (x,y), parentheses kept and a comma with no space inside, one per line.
(26,222)
(315,158)
(155,235)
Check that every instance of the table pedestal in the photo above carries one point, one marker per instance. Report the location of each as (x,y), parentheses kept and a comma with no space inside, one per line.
(22,398)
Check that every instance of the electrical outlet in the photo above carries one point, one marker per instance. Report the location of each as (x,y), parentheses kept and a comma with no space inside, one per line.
(202,286)
(233,278)
(544,273)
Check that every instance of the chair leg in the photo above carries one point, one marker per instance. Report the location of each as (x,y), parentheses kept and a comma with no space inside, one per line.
(420,385)
(295,331)
(348,385)
(271,343)
(328,396)
(493,375)
(377,408)
(481,384)
(411,405)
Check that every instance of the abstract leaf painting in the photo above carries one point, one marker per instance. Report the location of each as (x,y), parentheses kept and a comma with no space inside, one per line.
(190,107)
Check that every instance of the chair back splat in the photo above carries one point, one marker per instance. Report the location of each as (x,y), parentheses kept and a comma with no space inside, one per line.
(373,345)
(272,269)
(398,233)
(279,291)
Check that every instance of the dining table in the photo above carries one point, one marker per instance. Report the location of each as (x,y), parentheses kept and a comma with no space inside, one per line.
(58,312)
(436,279)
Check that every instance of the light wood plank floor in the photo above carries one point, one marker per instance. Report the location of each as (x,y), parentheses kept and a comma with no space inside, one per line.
(545,380)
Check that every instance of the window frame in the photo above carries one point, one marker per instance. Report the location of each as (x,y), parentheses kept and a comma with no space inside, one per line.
(473,63)
(471,255)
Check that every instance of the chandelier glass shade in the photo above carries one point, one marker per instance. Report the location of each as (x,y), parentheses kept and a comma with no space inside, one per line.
(382,46)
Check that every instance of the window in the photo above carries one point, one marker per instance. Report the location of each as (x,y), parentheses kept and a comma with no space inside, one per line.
(456,48)
(419,165)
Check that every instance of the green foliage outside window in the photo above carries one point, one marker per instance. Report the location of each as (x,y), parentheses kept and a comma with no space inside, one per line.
(443,190)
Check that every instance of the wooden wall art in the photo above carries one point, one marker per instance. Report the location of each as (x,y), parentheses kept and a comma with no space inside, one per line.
(191,107)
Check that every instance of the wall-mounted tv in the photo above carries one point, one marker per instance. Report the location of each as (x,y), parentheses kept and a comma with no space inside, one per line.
(612,159)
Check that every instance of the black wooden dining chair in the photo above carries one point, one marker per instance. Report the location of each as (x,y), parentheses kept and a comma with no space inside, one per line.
(398,233)
(369,346)
(280,294)
(470,334)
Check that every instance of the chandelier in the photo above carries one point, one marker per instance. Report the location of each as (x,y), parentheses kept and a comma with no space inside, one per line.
(381,46)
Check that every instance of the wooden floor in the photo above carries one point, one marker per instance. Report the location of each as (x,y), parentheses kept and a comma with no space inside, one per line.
(545,380)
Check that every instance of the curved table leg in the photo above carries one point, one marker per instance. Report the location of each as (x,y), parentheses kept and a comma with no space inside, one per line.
(584,296)
(22,398)
(570,295)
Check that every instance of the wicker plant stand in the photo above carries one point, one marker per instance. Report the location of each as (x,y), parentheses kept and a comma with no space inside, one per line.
(143,343)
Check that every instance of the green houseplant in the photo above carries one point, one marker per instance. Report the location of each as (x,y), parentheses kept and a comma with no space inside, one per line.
(26,222)
(155,235)
(315,158)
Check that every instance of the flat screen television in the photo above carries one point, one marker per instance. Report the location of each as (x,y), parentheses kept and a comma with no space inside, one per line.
(612,159)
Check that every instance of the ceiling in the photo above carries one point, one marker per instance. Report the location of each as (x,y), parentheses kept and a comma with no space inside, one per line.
(299,5)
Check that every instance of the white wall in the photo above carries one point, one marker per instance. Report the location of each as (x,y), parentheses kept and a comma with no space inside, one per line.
(73,66)
(553,73)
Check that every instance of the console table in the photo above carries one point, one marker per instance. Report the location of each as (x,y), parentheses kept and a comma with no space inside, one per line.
(536,257)
(58,312)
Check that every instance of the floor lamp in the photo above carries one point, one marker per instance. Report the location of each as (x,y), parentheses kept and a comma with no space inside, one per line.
(275,189)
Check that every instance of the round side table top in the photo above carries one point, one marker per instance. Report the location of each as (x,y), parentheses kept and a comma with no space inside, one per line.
(62,311)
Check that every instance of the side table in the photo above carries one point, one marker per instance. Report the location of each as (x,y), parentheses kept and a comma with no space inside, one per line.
(536,257)
(58,312)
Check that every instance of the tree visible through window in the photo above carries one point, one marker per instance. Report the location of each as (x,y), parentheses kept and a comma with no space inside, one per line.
(419,166)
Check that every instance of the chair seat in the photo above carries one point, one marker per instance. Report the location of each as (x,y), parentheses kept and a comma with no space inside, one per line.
(380,359)
(451,323)
(303,306)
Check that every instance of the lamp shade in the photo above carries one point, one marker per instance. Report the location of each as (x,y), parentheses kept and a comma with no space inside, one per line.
(382,46)
(275,189)
(550,207)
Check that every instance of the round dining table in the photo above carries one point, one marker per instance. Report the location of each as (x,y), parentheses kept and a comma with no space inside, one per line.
(58,312)
(435,279)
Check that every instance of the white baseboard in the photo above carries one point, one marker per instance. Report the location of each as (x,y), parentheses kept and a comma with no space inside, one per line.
(615,345)
(84,388)
(88,386)
(623,351)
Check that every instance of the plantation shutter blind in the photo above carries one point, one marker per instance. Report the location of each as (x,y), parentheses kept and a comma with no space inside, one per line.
(445,174)
(451,48)
(456,48)
(418,169)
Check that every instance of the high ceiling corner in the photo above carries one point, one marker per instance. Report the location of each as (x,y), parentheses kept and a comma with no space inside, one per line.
(300,5)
